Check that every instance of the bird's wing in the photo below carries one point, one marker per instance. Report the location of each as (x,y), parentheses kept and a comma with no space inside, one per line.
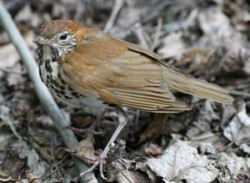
(120,73)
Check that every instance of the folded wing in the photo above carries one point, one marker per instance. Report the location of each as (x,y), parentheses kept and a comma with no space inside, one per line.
(120,73)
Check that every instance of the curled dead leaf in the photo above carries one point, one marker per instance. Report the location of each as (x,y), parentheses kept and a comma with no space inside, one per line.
(85,150)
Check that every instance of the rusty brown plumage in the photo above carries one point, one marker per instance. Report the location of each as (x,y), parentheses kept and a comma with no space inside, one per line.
(125,74)
(83,66)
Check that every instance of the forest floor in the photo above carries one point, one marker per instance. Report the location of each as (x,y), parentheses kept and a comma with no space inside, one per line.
(208,39)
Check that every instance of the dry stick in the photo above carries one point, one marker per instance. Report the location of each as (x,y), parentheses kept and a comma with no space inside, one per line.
(42,92)
(140,33)
(116,8)
(157,35)
(240,93)
(145,20)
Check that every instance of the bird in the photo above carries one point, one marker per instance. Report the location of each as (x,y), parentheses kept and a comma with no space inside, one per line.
(86,67)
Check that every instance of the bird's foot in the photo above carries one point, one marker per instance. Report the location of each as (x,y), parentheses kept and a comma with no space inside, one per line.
(122,118)
(97,162)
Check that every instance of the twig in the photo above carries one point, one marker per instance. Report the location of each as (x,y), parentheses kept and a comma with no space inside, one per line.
(116,8)
(240,93)
(177,25)
(146,19)
(140,33)
(42,92)
(157,11)
(157,34)
(5,116)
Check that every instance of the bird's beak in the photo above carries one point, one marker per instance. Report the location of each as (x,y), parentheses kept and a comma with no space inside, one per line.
(41,40)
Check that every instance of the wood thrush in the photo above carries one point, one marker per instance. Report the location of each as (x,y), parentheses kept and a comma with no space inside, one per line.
(87,67)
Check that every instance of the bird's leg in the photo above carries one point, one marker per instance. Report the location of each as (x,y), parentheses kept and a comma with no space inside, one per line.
(122,119)
(96,123)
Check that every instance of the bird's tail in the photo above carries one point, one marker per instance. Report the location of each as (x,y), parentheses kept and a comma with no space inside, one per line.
(178,82)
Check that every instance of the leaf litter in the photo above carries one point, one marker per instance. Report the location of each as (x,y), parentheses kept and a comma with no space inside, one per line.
(206,39)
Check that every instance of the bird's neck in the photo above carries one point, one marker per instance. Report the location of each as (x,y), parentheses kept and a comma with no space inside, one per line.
(48,63)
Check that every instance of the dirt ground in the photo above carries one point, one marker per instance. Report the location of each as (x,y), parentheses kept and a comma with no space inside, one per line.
(208,39)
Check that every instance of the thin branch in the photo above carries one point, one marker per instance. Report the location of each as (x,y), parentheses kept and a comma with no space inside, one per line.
(240,93)
(42,92)
(157,35)
(145,20)
(5,116)
(116,8)
(140,33)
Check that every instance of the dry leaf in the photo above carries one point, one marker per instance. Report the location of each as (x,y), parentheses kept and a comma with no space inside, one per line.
(8,56)
(155,128)
(15,79)
(182,161)
(231,166)
(238,130)
(24,15)
(173,46)
(214,23)
(85,149)
(153,150)
(128,176)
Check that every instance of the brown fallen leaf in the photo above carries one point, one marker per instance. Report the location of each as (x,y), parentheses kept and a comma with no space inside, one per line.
(84,150)
(155,128)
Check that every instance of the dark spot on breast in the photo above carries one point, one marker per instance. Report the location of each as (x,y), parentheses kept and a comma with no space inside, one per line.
(62,87)
(60,78)
(62,81)
(52,86)
(54,57)
(49,77)
(59,95)
(40,54)
(56,90)
(62,92)
(70,89)
(55,83)
(67,97)
(48,66)
(75,94)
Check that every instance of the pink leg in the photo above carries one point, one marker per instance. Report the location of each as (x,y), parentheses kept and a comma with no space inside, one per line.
(97,121)
(122,119)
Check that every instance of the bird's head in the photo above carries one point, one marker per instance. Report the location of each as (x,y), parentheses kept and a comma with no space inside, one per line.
(60,35)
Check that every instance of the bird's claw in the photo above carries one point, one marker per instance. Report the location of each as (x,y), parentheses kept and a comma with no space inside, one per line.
(99,161)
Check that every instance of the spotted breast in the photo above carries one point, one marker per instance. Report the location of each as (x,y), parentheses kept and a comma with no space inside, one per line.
(49,72)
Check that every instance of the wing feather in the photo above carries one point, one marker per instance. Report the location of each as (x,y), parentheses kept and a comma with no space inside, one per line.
(119,72)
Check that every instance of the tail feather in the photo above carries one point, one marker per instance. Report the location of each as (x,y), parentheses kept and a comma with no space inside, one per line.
(180,83)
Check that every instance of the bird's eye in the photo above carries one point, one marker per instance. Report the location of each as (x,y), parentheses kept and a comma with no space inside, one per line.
(63,36)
